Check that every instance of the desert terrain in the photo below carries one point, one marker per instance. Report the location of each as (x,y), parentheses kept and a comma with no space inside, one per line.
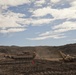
(47,60)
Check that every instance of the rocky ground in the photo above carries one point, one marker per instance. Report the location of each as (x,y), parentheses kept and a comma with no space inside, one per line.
(39,67)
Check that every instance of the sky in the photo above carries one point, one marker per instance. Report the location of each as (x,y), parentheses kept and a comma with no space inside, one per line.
(37,22)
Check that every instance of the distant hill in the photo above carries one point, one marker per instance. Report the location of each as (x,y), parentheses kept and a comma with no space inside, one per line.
(41,51)
(69,48)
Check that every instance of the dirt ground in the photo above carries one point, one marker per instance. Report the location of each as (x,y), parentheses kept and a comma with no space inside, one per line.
(38,67)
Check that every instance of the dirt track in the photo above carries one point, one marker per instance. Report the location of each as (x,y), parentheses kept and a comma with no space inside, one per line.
(39,67)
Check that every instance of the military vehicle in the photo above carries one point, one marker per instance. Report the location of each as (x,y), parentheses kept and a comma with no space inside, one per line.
(25,57)
(66,57)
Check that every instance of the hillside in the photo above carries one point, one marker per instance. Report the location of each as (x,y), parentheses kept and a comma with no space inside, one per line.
(41,51)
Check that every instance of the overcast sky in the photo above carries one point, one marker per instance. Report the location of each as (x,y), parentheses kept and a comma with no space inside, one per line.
(37,22)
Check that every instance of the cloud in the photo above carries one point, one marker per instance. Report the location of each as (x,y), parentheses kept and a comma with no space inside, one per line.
(57,31)
(39,2)
(13,2)
(14,22)
(64,27)
(56,36)
(41,12)
(11,30)
(66,13)
(73,3)
(61,28)
(39,22)
(10,19)
(11,22)
(55,1)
